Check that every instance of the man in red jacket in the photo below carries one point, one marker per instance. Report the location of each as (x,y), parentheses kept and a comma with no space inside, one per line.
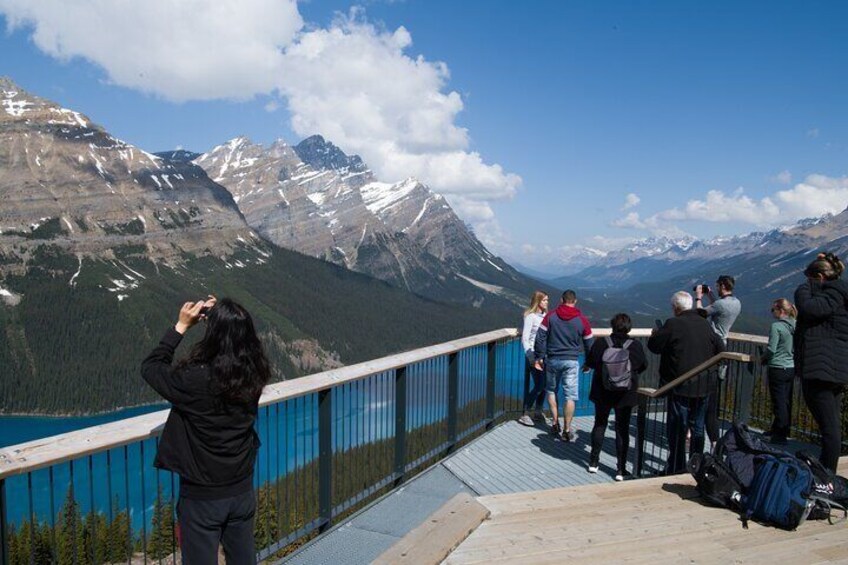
(563,336)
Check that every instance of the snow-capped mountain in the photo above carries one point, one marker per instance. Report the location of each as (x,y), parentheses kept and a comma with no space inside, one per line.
(101,242)
(315,199)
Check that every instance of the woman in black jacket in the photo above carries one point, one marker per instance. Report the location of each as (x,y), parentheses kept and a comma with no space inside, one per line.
(622,401)
(821,349)
(209,439)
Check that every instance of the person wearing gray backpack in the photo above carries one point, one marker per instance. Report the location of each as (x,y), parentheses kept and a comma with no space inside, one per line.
(616,362)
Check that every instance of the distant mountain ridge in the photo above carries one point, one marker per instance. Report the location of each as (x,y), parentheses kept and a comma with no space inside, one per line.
(315,199)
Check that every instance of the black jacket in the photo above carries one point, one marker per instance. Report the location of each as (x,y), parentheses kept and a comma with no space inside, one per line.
(211,447)
(684,342)
(821,334)
(638,363)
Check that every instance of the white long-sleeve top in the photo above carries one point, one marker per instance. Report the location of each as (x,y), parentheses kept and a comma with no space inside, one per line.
(531,326)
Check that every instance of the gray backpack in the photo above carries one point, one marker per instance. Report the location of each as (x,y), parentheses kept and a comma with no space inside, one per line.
(616,372)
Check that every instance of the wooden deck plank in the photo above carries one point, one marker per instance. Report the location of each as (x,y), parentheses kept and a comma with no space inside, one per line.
(649,520)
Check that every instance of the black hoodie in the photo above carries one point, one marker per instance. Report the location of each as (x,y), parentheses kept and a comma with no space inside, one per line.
(821,334)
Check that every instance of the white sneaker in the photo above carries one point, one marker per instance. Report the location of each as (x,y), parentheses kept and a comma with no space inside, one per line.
(526,420)
(623,475)
(593,468)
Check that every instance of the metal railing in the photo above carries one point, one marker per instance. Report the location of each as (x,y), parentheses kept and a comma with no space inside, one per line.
(331,443)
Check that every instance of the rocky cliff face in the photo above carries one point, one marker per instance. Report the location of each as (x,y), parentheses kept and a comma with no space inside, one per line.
(65,180)
(315,199)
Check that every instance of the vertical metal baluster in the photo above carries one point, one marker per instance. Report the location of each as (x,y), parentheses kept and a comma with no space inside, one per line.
(92,509)
(400,425)
(490,385)
(158,505)
(109,484)
(325,458)
(174,519)
(277,475)
(296,494)
(286,484)
(127,491)
(4,545)
(267,486)
(53,546)
(31,521)
(73,499)
(143,507)
(453,393)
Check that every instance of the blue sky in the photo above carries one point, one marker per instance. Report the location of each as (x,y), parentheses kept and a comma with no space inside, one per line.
(536,119)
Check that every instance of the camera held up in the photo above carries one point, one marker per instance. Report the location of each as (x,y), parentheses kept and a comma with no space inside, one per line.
(705,288)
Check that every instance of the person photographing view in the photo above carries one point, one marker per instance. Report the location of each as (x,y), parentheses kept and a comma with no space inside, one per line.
(209,438)
(721,313)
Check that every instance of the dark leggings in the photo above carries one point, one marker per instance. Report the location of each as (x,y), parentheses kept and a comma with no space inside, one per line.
(824,399)
(622,433)
(780,383)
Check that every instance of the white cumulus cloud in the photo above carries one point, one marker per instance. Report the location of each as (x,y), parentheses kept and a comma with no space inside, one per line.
(353,82)
(186,50)
(815,196)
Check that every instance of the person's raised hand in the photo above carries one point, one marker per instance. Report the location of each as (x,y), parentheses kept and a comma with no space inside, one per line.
(188,316)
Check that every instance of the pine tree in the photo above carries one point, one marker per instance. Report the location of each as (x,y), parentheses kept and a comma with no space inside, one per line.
(118,537)
(160,543)
(94,537)
(69,535)
(265,528)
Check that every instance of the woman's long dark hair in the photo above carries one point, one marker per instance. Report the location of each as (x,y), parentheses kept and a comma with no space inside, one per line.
(234,354)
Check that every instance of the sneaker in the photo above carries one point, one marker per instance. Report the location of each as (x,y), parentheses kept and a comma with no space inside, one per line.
(593,467)
(555,430)
(525,420)
(569,435)
(623,475)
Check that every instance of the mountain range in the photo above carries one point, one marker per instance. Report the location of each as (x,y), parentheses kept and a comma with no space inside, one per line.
(767,265)
(101,242)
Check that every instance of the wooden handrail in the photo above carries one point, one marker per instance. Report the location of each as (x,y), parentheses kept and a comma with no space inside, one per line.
(40,453)
(694,372)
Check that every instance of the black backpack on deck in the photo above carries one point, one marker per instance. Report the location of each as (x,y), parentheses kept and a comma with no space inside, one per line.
(738,450)
(717,484)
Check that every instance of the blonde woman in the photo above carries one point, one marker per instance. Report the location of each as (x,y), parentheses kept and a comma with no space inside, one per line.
(781,367)
(536,395)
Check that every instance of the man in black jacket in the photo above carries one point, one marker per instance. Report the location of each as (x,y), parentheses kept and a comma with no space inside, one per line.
(684,342)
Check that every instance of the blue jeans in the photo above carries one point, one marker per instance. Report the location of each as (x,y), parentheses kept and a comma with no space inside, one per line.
(536,394)
(562,372)
(684,414)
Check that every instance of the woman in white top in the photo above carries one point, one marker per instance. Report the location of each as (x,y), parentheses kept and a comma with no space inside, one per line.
(536,395)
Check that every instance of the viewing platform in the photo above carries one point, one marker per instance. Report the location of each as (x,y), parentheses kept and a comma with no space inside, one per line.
(537,502)
(355,462)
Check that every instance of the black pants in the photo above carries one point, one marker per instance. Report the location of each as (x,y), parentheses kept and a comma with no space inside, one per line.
(824,399)
(206,523)
(622,433)
(780,383)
